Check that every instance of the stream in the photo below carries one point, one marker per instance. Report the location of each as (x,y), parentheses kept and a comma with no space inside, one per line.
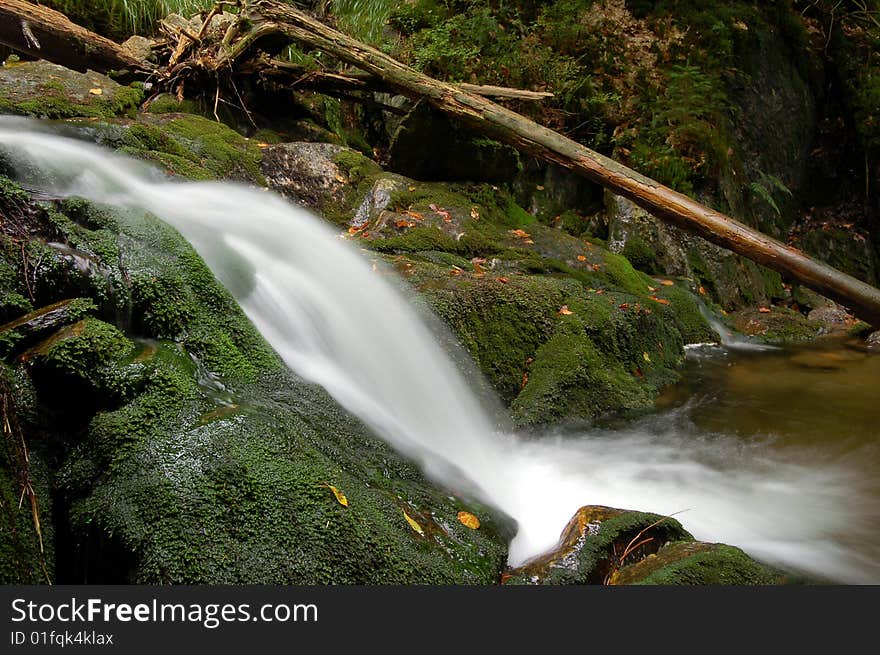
(773,451)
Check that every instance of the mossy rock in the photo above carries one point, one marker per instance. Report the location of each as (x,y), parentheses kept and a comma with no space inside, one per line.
(187,453)
(779,325)
(697,563)
(596,542)
(45,90)
(181,144)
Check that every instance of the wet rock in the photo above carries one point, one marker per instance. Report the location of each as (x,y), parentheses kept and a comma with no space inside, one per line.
(603,545)
(832,318)
(873,341)
(46,90)
(309,173)
(40,322)
(696,563)
(596,543)
(779,324)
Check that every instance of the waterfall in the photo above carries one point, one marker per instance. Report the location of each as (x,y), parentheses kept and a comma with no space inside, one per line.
(336,321)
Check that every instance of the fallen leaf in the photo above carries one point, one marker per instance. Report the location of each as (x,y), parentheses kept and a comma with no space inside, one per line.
(96,91)
(468,520)
(502,280)
(667,283)
(597,267)
(624,306)
(354,229)
(581,258)
(638,373)
(520,234)
(525,381)
(599,292)
(646,357)
(440,212)
(652,289)
(411,189)
(662,301)
(764,310)
(475,214)
(403,223)
(412,523)
(702,291)
(539,187)
(412,214)
(456,271)
(528,241)
(339,495)
(266,145)
(565,311)
(479,271)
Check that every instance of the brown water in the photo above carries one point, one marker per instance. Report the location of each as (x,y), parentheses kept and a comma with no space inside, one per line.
(816,405)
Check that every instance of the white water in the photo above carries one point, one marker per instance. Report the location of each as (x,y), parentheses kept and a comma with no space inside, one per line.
(337,322)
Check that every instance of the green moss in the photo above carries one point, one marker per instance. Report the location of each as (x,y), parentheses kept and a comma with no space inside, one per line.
(356,166)
(46,90)
(699,564)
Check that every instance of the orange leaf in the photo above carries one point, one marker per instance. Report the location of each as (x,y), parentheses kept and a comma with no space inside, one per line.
(468,520)
(565,311)
(662,301)
(502,280)
(354,229)
(597,267)
(402,223)
(702,291)
(478,270)
(624,306)
(764,310)
(412,214)
(667,283)
(525,381)
(96,91)
(581,258)
(520,234)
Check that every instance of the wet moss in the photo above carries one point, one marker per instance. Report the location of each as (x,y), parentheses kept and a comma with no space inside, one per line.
(698,564)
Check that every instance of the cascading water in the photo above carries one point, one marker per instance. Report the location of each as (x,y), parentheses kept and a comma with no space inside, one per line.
(337,322)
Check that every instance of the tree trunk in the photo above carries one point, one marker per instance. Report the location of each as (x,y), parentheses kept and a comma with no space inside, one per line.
(504,125)
(48,34)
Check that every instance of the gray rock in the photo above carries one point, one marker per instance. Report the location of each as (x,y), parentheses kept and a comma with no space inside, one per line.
(306,172)
(873,341)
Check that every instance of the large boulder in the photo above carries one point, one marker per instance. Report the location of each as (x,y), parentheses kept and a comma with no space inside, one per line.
(182,450)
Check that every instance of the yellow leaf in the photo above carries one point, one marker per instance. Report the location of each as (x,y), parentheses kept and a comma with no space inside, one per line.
(646,357)
(475,214)
(96,91)
(412,523)
(468,520)
(565,311)
(667,283)
(339,495)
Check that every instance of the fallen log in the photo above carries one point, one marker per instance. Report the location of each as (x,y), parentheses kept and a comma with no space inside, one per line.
(506,126)
(47,34)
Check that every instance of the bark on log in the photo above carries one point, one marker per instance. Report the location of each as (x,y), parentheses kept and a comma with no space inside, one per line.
(47,34)
(509,127)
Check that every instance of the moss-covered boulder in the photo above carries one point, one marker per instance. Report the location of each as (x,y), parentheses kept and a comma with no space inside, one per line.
(45,90)
(561,327)
(603,545)
(182,450)
(775,324)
